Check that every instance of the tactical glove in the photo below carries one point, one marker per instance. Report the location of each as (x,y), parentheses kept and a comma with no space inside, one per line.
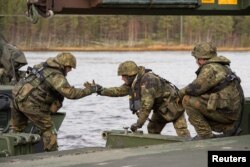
(98,88)
(99,91)
(94,88)
(135,126)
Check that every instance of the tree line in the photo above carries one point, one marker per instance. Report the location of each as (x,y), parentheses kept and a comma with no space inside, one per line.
(126,31)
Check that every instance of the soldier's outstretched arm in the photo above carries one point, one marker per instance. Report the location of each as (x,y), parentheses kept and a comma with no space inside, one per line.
(115,91)
(60,84)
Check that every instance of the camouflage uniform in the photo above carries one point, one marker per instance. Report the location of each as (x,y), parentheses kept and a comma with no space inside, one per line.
(11,60)
(151,92)
(214,100)
(41,93)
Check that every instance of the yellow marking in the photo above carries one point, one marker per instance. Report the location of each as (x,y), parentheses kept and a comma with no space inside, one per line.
(207,1)
(227,2)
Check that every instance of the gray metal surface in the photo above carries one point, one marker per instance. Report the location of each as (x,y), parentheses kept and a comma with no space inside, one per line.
(191,153)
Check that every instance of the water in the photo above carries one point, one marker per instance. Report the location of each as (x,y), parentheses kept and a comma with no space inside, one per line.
(88,117)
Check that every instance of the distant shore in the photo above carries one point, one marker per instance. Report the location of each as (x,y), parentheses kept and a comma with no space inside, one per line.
(128,48)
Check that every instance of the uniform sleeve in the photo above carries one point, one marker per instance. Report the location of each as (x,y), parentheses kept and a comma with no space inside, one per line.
(148,91)
(116,91)
(206,80)
(61,85)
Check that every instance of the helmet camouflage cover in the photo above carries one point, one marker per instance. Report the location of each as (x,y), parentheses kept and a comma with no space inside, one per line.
(205,50)
(128,68)
(66,59)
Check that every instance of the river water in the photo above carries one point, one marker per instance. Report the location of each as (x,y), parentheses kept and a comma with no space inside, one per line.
(88,117)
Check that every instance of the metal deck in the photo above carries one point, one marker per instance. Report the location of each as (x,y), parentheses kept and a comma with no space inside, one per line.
(190,153)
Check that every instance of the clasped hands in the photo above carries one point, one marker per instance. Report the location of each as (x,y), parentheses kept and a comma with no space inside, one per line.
(93,87)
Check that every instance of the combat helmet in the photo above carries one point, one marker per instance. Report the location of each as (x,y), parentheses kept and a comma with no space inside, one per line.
(205,50)
(128,68)
(66,59)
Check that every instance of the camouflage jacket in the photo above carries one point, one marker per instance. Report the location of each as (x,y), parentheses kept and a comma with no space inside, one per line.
(209,75)
(155,94)
(51,86)
(212,74)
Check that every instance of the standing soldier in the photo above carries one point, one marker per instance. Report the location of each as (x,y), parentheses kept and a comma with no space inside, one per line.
(214,100)
(42,92)
(148,91)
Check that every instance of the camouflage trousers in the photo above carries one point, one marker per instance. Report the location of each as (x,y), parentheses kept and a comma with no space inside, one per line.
(158,122)
(204,120)
(39,116)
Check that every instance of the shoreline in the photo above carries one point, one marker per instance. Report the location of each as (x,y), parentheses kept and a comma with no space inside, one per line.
(127,49)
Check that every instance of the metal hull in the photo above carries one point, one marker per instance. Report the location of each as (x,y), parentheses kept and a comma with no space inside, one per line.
(190,153)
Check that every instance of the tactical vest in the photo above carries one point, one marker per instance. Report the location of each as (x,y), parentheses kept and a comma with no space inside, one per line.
(135,96)
(135,92)
(36,86)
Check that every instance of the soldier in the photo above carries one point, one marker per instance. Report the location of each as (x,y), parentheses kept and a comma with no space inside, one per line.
(148,91)
(214,100)
(42,92)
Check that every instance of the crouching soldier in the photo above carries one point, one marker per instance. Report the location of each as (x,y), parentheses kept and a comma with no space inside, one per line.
(214,100)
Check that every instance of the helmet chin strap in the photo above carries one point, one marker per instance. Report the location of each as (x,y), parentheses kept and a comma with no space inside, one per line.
(64,70)
(131,79)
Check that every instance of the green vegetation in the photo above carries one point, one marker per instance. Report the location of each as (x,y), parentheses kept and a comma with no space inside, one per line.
(120,31)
